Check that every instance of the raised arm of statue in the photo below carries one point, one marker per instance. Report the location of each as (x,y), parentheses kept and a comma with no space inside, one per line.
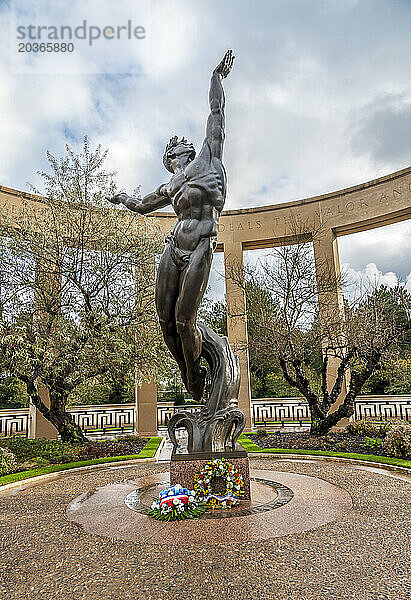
(153,201)
(216,119)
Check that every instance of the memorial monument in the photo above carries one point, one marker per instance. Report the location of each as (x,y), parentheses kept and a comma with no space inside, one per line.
(197,192)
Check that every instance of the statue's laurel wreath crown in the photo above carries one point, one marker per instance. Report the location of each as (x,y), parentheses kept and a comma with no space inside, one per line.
(173,143)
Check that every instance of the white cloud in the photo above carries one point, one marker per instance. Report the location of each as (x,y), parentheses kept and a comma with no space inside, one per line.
(34,111)
(360,282)
(388,247)
(373,276)
(318,100)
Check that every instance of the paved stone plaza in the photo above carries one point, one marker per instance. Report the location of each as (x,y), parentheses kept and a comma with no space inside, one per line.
(361,554)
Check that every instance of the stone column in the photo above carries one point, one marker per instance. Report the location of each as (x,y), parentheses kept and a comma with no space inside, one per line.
(237,324)
(39,426)
(146,409)
(146,394)
(330,299)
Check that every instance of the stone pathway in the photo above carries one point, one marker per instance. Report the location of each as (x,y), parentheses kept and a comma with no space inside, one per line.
(165,452)
(364,554)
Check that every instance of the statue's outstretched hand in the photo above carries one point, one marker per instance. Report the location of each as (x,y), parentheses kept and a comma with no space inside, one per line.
(118,198)
(226,64)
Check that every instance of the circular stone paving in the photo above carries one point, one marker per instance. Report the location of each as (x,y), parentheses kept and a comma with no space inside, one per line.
(141,499)
(281,503)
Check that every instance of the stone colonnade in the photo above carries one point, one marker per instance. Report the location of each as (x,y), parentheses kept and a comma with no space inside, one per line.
(373,204)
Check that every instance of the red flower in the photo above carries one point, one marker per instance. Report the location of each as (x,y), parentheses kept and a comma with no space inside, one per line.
(169,499)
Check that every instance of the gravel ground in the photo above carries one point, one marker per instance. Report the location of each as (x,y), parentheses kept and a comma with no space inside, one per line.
(361,556)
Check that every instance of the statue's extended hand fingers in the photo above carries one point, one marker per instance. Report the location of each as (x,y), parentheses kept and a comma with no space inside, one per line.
(228,61)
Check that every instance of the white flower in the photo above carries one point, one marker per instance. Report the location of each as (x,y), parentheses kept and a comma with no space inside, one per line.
(191,499)
(176,501)
(154,505)
(178,487)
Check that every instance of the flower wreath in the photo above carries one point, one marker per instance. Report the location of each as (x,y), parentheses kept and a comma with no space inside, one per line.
(234,484)
(176,503)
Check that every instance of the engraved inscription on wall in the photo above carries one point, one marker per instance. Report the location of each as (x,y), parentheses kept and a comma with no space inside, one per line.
(357,206)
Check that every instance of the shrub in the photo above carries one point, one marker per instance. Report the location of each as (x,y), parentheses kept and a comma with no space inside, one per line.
(8,462)
(384,427)
(132,439)
(364,427)
(397,441)
(39,452)
(262,432)
(53,451)
(373,443)
(33,463)
(105,448)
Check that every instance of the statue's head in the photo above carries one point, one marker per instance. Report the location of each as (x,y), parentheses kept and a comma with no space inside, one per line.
(178,151)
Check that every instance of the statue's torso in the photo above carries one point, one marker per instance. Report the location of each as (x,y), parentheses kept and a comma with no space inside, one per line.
(197,195)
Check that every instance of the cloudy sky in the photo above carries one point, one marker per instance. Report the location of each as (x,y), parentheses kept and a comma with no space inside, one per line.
(319,97)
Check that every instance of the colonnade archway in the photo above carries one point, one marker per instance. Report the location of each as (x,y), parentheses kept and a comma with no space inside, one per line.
(372,204)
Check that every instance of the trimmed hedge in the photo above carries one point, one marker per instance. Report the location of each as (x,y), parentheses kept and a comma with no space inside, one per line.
(251,447)
(148,451)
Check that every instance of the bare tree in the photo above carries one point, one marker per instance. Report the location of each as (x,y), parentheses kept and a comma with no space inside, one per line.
(76,287)
(306,337)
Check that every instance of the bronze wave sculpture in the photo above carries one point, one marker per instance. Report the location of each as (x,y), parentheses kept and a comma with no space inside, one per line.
(197,193)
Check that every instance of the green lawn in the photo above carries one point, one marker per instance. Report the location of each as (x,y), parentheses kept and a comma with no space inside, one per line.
(148,451)
(251,447)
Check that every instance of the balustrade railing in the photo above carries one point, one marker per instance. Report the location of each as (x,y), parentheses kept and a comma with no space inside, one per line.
(108,418)
(280,411)
(383,407)
(14,422)
(166,410)
(121,418)
(275,411)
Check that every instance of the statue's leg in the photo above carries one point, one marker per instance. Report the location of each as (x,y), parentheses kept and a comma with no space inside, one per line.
(193,284)
(167,289)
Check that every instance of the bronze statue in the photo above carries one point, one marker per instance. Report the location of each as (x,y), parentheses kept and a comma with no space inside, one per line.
(197,192)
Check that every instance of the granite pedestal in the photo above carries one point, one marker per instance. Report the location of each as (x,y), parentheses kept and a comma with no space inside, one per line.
(183,467)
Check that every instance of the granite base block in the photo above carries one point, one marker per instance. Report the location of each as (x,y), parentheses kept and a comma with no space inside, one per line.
(183,467)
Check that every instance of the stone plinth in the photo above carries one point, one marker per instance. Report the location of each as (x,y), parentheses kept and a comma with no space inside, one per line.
(183,467)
